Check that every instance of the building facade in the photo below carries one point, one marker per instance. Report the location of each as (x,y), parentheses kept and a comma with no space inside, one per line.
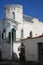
(33,48)
(16,26)
(22,25)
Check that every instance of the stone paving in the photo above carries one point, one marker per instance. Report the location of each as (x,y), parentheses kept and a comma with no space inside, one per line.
(18,63)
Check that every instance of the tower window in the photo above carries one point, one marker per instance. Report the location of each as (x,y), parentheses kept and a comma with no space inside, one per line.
(22,33)
(8,10)
(13,15)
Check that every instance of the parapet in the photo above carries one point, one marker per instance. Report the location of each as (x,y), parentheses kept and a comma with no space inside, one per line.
(13,6)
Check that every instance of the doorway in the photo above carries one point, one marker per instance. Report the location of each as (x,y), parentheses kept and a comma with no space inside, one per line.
(40,51)
(13,35)
(22,52)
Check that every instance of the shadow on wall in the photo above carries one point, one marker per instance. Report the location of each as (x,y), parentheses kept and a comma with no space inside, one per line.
(21,56)
(14,57)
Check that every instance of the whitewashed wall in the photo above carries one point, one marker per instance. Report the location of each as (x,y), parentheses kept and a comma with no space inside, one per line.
(15,48)
(31,48)
(36,27)
(1,29)
(6,50)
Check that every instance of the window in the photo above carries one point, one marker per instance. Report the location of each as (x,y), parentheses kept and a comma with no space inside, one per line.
(30,33)
(4,30)
(22,33)
(9,36)
(13,15)
(8,10)
(4,34)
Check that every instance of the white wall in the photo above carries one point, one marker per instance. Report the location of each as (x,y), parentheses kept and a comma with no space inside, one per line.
(31,48)
(17,9)
(36,27)
(27,27)
(15,48)
(6,50)
(1,29)
(18,31)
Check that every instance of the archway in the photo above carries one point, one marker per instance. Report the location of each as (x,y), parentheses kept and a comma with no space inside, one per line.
(9,36)
(13,35)
(22,52)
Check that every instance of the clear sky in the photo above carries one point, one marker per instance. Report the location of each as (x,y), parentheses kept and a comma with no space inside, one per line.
(33,8)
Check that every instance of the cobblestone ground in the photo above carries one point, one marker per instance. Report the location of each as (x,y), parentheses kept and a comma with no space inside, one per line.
(18,63)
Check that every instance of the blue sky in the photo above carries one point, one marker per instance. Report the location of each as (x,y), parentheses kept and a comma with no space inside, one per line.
(33,8)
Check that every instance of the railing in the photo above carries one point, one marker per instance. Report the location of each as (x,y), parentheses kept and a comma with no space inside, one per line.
(27,18)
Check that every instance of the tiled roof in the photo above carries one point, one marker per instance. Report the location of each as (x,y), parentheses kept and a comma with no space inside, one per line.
(33,37)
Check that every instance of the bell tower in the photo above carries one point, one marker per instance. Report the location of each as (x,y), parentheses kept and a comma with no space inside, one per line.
(14,12)
(7,11)
(19,13)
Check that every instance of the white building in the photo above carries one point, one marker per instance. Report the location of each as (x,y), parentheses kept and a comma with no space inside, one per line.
(16,26)
(33,48)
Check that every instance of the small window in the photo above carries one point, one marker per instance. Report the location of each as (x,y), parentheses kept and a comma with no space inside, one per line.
(30,33)
(13,15)
(4,30)
(8,10)
(22,33)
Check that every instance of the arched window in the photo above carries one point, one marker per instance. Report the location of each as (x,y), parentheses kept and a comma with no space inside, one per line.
(9,37)
(4,30)
(8,9)
(30,33)
(13,35)
(22,33)
(4,34)
(13,15)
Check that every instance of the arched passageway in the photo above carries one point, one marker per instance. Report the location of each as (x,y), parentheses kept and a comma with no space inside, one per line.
(13,35)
